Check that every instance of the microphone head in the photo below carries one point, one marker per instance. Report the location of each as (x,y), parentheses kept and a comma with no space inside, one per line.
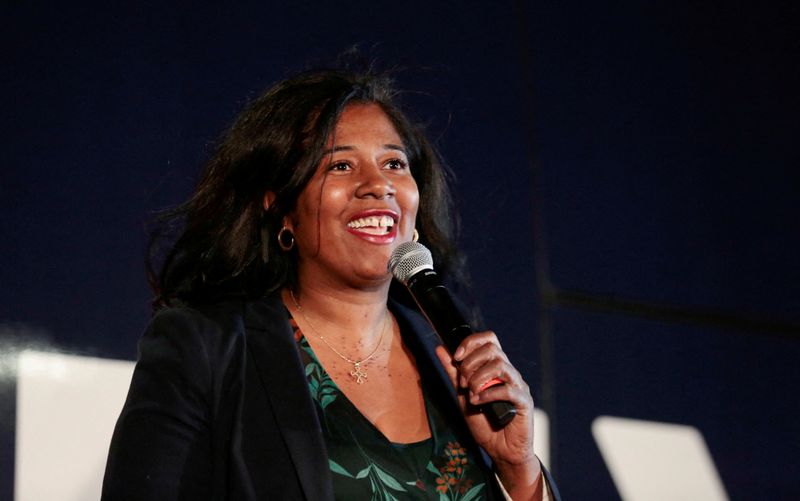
(409,258)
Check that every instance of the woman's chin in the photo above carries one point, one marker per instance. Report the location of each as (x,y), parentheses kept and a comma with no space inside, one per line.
(372,277)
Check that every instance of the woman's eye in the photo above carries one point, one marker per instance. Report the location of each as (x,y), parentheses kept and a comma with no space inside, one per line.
(339,167)
(396,164)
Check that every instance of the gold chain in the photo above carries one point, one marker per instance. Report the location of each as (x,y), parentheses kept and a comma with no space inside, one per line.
(358,373)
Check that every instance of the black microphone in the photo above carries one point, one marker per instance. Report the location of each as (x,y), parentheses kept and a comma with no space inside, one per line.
(412,265)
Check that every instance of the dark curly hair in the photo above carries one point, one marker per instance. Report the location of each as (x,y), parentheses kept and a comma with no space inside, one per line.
(226,241)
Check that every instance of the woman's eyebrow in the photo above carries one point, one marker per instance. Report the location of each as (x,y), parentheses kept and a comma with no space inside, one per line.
(351,148)
(338,148)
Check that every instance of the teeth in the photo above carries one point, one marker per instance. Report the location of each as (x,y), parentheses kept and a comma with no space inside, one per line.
(371,223)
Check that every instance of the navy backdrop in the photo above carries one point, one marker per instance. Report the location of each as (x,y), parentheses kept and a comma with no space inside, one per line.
(626,176)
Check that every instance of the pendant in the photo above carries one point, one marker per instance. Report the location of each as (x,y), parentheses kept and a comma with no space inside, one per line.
(358,373)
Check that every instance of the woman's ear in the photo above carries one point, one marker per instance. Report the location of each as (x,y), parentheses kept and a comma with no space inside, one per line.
(269,198)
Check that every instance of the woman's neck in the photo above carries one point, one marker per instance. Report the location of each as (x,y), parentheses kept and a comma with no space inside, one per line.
(340,313)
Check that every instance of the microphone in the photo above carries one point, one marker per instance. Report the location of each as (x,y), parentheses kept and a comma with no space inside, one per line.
(411,264)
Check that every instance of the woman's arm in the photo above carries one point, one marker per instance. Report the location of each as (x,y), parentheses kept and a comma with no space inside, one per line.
(478,360)
(161,447)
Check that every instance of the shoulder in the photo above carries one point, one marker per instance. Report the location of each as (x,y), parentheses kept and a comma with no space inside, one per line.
(209,324)
(201,320)
(196,335)
(215,327)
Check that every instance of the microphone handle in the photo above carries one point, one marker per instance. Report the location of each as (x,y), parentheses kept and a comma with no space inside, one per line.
(436,304)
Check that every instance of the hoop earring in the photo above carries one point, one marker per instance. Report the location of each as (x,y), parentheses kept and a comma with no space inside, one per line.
(415,237)
(282,236)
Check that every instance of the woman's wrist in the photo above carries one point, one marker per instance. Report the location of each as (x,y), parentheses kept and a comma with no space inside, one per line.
(521,481)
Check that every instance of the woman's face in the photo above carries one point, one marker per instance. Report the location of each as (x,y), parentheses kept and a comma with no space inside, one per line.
(359,206)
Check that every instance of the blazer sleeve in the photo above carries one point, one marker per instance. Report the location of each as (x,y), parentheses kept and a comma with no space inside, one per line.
(551,489)
(161,446)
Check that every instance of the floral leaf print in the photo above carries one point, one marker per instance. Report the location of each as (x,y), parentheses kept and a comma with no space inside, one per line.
(337,468)
(363,473)
(418,484)
(322,387)
(388,480)
(313,385)
(431,468)
(472,493)
(373,489)
(380,480)
(450,482)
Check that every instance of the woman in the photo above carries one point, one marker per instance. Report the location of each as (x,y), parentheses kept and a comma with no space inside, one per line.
(282,362)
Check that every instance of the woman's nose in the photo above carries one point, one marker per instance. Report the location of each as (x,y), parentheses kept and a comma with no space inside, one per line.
(374,182)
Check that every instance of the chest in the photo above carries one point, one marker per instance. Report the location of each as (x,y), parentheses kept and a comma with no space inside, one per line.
(387,438)
(386,390)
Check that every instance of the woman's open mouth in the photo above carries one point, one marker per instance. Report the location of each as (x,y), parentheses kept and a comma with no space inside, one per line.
(373,225)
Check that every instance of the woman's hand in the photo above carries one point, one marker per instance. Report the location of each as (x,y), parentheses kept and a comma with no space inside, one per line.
(478,360)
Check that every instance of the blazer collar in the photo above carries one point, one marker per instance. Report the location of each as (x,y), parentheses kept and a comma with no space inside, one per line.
(271,343)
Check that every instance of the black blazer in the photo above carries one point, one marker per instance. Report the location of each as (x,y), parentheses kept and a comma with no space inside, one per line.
(219,407)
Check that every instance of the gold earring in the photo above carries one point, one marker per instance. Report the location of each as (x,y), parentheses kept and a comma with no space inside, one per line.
(282,236)
(415,237)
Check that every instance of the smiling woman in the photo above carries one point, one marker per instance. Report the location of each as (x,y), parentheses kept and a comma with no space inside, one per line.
(358,206)
(282,361)
(228,240)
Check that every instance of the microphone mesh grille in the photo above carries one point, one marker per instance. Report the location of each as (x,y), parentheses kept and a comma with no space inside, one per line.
(409,258)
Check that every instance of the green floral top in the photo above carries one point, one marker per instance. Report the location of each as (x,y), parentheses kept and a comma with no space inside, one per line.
(365,465)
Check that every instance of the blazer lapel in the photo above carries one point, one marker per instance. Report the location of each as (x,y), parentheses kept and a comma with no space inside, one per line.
(422,339)
(274,353)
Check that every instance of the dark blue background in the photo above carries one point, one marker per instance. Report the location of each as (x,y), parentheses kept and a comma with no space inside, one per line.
(640,157)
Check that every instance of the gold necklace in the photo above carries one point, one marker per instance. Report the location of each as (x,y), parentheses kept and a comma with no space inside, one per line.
(358,373)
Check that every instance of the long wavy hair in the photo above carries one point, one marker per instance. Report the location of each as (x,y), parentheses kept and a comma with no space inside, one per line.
(224,242)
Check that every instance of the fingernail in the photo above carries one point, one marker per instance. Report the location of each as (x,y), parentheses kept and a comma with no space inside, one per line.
(459,353)
(491,382)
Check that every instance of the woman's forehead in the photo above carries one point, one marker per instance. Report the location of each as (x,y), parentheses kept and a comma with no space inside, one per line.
(361,122)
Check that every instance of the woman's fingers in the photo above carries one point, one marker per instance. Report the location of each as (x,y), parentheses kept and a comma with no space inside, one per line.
(520,398)
(482,361)
(473,342)
(483,369)
(482,373)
